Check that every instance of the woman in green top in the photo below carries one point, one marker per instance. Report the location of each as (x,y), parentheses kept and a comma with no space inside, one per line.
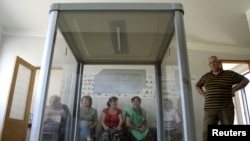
(136,121)
(87,118)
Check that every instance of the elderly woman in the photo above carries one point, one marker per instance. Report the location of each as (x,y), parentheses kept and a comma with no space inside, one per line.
(55,117)
(136,121)
(88,119)
(111,120)
(54,110)
(172,121)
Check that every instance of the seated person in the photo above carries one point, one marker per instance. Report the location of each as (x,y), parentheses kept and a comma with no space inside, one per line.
(87,119)
(136,121)
(111,120)
(172,121)
(55,117)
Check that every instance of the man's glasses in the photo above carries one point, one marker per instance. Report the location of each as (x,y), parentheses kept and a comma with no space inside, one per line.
(213,63)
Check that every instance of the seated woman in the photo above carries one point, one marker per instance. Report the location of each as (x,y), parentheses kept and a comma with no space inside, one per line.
(55,118)
(87,119)
(111,120)
(172,121)
(136,121)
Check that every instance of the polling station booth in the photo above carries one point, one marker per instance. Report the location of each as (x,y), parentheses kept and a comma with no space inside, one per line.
(114,49)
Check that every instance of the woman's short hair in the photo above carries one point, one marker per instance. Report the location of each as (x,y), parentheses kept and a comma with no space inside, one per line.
(112,98)
(89,99)
(168,100)
(54,98)
(136,97)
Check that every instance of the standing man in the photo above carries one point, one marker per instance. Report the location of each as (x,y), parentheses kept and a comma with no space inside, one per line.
(220,86)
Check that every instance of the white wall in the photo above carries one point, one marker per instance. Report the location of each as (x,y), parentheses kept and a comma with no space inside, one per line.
(1,34)
(31,49)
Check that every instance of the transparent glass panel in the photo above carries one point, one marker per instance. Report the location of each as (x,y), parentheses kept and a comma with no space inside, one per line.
(116,36)
(171,98)
(57,120)
(247,99)
(104,82)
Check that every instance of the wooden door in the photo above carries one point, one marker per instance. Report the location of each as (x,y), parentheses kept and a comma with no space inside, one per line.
(18,108)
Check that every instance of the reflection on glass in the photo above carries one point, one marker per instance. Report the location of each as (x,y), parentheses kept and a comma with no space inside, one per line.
(172,111)
(172,121)
(57,116)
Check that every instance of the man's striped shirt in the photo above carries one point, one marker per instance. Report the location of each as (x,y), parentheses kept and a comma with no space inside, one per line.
(218,89)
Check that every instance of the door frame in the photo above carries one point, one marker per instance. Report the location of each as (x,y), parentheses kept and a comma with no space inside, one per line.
(17,116)
(240,113)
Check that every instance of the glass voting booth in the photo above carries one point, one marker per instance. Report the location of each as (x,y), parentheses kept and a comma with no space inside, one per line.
(122,50)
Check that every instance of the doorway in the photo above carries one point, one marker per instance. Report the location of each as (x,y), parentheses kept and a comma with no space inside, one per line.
(242,99)
(18,108)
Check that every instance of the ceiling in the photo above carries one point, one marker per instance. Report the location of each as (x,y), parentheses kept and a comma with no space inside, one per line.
(115,35)
(216,22)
